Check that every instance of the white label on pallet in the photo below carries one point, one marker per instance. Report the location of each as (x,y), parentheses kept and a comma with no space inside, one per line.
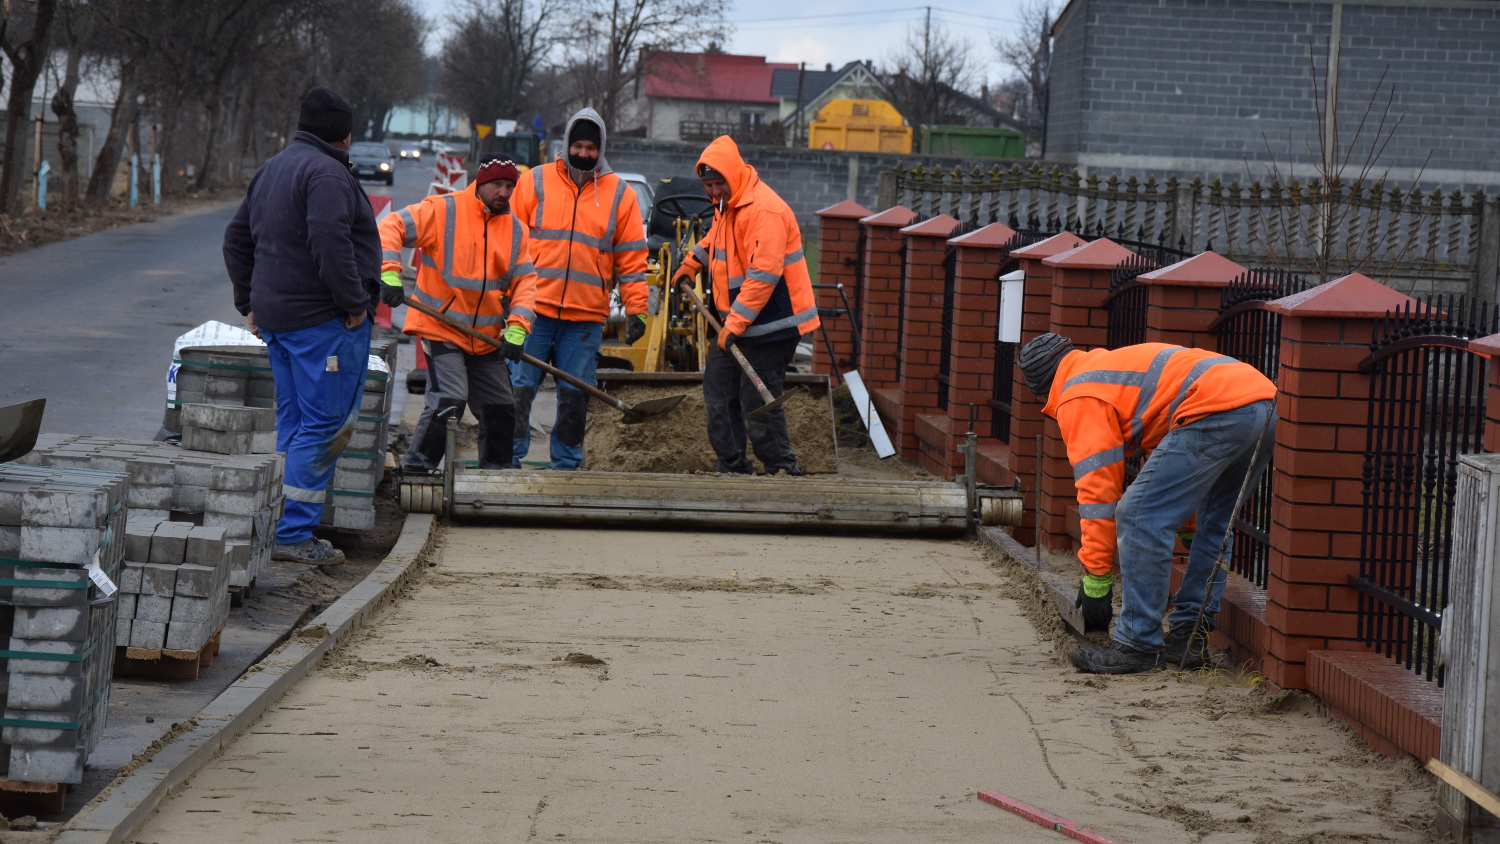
(101,580)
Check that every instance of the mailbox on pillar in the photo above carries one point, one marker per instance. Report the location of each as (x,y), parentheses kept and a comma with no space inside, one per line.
(1012,286)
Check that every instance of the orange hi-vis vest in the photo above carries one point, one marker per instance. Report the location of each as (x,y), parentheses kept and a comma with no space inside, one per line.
(584,240)
(753,253)
(472,263)
(1112,404)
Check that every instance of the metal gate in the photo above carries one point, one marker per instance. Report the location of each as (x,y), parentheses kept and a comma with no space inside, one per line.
(1127,303)
(1248,332)
(1427,393)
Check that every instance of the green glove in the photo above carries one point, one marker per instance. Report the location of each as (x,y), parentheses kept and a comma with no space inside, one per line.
(1098,585)
(391,291)
(1095,602)
(635,329)
(391,277)
(515,342)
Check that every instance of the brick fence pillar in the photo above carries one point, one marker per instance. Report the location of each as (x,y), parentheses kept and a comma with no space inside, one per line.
(1491,346)
(880,294)
(920,337)
(838,264)
(1080,286)
(1316,491)
(978,260)
(1183,299)
(1026,420)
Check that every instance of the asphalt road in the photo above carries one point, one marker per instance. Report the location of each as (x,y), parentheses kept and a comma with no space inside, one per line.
(88,324)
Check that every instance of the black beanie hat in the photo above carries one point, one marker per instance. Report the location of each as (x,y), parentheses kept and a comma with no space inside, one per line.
(584,130)
(326,115)
(1039,359)
(706,172)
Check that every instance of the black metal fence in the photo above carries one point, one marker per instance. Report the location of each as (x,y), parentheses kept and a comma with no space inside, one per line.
(1127,302)
(1247,332)
(1427,393)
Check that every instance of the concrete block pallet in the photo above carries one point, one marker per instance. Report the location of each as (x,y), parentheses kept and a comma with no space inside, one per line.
(174,598)
(239,493)
(350,505)
(62,540)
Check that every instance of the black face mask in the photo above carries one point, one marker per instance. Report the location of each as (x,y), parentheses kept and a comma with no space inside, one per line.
(579,163)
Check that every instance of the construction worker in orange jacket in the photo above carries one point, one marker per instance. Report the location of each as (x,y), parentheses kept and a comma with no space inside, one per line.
(477,267)
(1205,424)
(587,239)
(764,296)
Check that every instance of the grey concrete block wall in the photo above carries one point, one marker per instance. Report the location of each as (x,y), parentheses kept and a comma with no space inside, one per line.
(1223,81)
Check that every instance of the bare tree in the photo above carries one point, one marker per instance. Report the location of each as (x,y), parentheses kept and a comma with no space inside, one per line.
(75,31)
(930,74)
(375,58)
(1028,53)
(28,35)
(493,54)
(605,43)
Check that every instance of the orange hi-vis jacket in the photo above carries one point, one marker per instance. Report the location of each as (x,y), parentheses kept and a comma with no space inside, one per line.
(753,253)
(472,258)
(583,239)
(1112,404)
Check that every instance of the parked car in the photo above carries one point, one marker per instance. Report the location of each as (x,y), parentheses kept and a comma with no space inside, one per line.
(410,150)
(643,192)
(372,160)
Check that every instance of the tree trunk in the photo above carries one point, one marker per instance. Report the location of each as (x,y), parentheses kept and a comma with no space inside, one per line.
(67,131)
(26,61)
(102,180)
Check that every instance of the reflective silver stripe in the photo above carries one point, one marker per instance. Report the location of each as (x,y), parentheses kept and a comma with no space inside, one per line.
(452,220)
(536,177)
(308,496)
(629,246)
(574,236)
(1097,511)
(794,257)
(390,254)
(410,223)
(454,311)
(735,281)
(1117,377)
(763,276)
(630,278)
(1097,461)
(515,249)
(721,255)
(700,255)
(1137,429)
(493,319)
(777,325)
(521,269)
(1193,375)
(523,311)
(746,311)
(614,210)
(562,273)
(429,261)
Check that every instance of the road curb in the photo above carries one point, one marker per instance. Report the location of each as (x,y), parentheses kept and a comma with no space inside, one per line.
(1057,587)
(116,814)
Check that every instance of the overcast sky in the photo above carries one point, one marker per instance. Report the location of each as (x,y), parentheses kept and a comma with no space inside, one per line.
(821,32)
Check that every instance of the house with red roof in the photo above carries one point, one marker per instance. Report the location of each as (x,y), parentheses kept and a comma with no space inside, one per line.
(699,96)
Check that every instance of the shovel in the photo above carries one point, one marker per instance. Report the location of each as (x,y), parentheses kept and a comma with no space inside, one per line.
(770,402)
(648,409)
(19,425)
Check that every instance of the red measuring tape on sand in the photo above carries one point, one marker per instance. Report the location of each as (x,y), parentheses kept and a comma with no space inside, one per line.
(1037,816)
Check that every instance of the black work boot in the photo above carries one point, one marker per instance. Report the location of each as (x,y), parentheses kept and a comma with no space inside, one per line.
(1183,639)
(1115,658)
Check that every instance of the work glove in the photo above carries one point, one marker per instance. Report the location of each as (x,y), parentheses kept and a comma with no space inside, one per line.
(635,328)
(391,291)
(1096,601)
(724,338)
(515,342)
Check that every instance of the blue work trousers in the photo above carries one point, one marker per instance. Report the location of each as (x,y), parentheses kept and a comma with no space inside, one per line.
(1197,469)
(572,347)
(320,377)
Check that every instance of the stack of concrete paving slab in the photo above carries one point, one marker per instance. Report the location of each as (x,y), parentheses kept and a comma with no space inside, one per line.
(174,588)
(240,493)
(62,534)
(351,496)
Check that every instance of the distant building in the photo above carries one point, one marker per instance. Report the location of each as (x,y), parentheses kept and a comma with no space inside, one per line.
(699,96)
(803,93)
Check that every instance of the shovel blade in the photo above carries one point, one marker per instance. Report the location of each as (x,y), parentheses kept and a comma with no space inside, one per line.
(19,426)
(650,409)
(778,401)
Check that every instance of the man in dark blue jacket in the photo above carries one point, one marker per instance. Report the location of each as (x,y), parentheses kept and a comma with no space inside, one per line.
(303,253)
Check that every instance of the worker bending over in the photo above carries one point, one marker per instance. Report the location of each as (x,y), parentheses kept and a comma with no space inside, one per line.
(587,238)
(753,254)
(302,253)
(476,259)
(1207,423)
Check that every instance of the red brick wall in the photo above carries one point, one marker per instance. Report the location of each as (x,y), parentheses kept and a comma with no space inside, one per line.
(838,263)
(921,332)
(1492,409)
(1026,420)
(1181,313)
(879,296)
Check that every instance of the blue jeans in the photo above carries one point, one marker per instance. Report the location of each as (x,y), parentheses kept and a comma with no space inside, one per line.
(315,397)
(1197,469)
(572,347)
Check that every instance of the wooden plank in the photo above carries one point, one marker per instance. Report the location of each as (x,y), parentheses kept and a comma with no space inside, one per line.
(1467,787)
(32,798)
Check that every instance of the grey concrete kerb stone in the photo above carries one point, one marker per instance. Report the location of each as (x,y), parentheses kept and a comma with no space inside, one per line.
(115,815)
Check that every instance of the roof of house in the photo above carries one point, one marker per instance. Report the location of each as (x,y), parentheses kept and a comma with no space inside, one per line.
(719,77)
(814,82)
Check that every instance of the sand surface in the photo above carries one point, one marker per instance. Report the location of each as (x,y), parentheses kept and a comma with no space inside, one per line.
(635,686)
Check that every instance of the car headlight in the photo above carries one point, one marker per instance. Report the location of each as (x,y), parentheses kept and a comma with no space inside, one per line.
(385,165)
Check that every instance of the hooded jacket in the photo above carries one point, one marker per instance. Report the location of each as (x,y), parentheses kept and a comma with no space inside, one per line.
(753,254)
(471,258)
(1112,404)
(585,239)
(302,248)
